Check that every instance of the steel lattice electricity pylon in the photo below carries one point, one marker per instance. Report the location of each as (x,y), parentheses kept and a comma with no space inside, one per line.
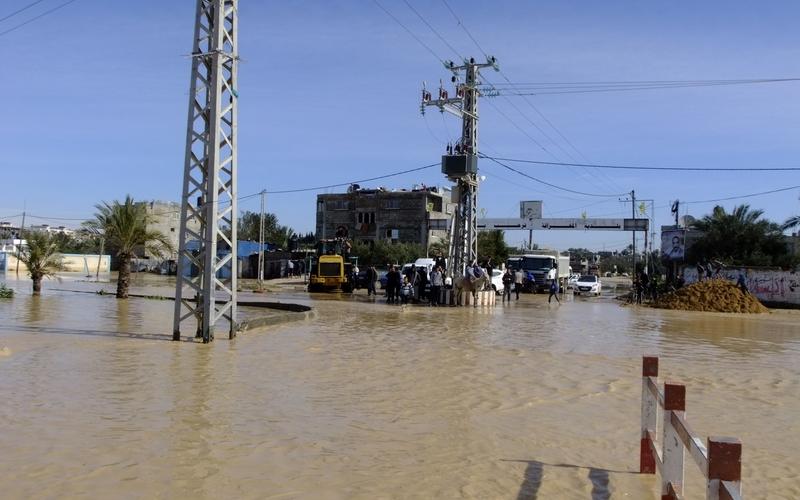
(209,176)
(460,164)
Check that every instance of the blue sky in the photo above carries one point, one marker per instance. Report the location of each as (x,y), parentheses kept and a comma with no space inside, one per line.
(95,98)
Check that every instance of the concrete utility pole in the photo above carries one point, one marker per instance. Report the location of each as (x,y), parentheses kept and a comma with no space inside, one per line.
(633,216)
(460,164)
(209,175)
(261,242)
(19,238)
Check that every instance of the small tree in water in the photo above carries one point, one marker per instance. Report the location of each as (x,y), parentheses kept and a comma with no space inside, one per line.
(124,227)
(40,255)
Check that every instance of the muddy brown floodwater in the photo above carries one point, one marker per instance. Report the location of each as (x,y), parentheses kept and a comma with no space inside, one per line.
(373,401)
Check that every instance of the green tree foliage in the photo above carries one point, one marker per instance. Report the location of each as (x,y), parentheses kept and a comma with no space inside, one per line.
(438,247)
(80,243)
(492,244)
(124,227)
(580,253)
(274,233)
(741,237)
(383,253)
(306,240)
(40,255)
(791,223)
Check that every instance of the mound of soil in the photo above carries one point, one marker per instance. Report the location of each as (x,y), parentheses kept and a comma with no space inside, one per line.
(718,295)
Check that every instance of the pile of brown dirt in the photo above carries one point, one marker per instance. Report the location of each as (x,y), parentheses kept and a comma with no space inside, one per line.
(718,295)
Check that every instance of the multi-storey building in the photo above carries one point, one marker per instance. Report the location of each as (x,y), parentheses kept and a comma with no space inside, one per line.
(420,215)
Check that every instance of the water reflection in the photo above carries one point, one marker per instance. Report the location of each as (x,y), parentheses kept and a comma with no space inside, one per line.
(370,400)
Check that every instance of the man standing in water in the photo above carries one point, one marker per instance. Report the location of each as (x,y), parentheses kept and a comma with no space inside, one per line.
(553,291)
(508,282)
(436,286)
(372,277)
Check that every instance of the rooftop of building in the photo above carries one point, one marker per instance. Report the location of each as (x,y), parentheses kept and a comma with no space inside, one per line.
(416,188)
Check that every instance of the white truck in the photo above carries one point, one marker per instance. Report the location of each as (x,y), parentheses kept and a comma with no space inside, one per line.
(544,266)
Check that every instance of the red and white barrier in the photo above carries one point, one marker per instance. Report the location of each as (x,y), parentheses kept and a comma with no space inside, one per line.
(720,461)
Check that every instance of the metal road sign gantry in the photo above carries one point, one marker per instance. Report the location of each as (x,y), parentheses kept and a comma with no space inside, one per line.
(547,224)
(461,165)
(209,175)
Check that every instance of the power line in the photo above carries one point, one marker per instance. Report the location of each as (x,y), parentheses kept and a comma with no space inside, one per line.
(253,195)
(627,83)
(550,123)
(433,29)
(20,10)
(772,191)
(317,188)
(641,167)
(50,11)
(415,37)
(463,27)
(548,183)
(540,91)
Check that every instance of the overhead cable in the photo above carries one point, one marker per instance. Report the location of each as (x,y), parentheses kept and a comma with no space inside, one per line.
(22,9)
(422,18)
(771,191)
(284,191)
(50,11)
(642,167)
(584,90)
(415,37)
(582,193)
(602,176)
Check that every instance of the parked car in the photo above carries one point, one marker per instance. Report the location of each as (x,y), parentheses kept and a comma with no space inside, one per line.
(497,281)
(588,284)
(572,281)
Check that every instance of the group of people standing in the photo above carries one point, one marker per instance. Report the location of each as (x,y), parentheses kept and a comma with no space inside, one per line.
(404,286)
(512,281)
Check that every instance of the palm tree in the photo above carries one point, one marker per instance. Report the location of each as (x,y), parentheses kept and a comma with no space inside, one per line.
(791,223)
(124,228)
(740,237)
(40,255)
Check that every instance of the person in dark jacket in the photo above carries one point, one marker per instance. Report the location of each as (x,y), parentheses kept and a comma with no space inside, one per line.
(440,263)
(742,283)
(508,283)
(553,291)
(392,285)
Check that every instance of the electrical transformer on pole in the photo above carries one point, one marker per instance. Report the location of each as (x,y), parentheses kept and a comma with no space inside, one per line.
(209,177)
(460,164)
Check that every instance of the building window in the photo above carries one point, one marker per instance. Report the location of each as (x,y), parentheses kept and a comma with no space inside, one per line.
(393,204)
(339,205)
(366,217)
(393,234)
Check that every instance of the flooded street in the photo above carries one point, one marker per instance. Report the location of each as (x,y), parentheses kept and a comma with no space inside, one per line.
(373,401)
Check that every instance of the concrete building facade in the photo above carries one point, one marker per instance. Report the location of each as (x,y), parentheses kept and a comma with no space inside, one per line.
(420,215)
(165,217)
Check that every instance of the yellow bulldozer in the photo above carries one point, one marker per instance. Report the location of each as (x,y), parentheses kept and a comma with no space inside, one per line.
(331,269)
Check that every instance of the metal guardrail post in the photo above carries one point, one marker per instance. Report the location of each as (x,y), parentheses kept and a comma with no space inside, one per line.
(647,463)
(673,449)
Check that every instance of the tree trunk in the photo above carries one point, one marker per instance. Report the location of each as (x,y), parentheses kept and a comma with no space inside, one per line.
(124,279)
(37,285)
